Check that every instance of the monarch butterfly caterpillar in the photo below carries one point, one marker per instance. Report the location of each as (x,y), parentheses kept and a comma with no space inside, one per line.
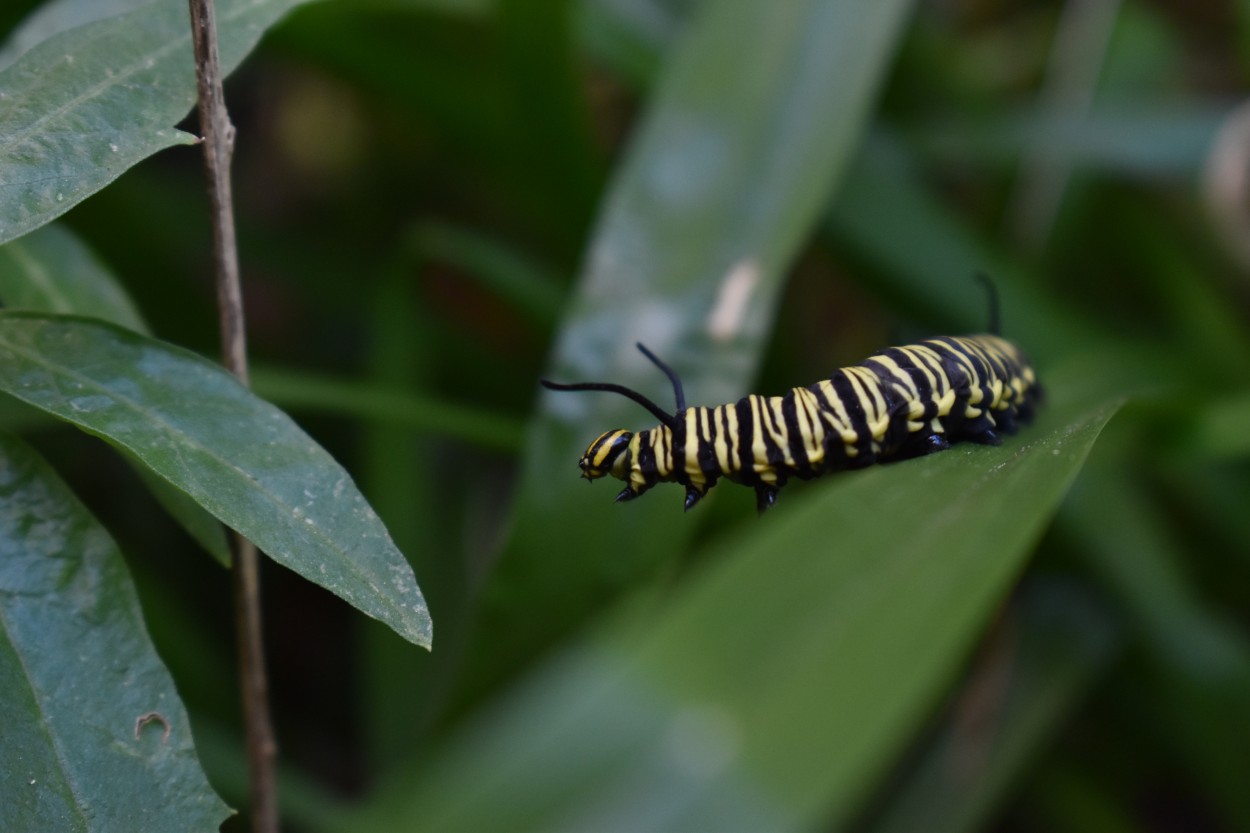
(901,402)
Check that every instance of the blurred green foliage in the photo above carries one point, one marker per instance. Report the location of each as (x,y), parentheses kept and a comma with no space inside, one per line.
(441,202)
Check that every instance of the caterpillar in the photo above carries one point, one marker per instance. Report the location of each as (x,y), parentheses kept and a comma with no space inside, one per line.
(901,402)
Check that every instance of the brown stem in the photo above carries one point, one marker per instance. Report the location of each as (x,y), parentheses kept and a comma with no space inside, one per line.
(218,140)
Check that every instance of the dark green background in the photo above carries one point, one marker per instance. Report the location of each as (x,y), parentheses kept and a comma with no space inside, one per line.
(435,198)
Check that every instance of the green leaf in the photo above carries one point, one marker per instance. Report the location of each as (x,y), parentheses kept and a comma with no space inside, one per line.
(94,735)
(51,270)
(239,457)
(757,113)
(773,689)
(89,102)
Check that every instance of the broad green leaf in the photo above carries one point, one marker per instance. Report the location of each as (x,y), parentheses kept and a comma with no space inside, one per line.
(753,120)
(239,457)
(89,102)
(51,270)
(94,735)
(772,689)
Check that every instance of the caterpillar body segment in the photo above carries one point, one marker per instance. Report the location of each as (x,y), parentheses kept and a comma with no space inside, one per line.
(899,403)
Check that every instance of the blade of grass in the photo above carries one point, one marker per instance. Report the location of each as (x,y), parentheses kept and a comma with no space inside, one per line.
(397,465)
(775,686)
(388,405)
(753,121)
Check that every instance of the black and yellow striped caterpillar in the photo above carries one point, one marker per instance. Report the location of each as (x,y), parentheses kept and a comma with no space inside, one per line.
(901,402)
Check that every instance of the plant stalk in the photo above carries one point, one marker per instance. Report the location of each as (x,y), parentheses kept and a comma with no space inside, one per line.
(218,140)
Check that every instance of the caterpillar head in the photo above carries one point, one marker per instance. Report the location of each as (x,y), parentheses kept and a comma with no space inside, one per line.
(607,455)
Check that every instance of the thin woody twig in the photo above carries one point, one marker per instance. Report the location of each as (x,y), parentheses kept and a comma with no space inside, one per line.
(218,140)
